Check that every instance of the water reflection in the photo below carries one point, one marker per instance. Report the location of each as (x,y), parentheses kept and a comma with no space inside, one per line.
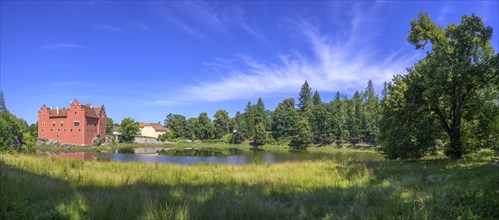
(246,157)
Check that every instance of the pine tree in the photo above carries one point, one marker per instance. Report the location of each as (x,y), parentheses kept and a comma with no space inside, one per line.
(2,102)
(249,119)
(305,99)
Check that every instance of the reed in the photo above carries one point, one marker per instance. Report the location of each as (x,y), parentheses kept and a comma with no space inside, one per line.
(47,187)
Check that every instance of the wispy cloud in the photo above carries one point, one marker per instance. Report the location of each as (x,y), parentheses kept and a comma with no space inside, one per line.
(60,46)
(444,12)
(336,64)
(198,17)
(141,26)
(108,27)
(71,83)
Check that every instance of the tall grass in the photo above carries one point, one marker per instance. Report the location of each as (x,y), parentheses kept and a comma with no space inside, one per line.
(47,187)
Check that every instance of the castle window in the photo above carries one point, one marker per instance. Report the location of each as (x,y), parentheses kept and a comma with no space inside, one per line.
(62,123)
(43,130)
(79,129)
(75,112)
(59,129)
(43,124)
(57,136)
(64,129)
(53,123)
(76,123)
(71,130)
(51,129)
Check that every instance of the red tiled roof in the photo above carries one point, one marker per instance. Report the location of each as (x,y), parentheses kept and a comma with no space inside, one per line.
(63,113)
(156,126)
(53,113)
(89,111)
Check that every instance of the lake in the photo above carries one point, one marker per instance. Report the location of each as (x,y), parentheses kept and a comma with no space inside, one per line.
(245,157)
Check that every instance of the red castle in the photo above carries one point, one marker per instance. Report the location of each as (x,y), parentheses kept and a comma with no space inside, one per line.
(77,125)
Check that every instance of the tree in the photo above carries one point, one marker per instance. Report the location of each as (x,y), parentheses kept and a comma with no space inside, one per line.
(176,123)
(371,111)
(305,99)
(192,129)
(109,125)
(338,112)
(260,135)
(260,115)
(237,137)
(355,118)
(206,128)
(405,131)
(304,136)
(249,120)
(459,64)
(221,123)
(2,102)
(129,128)
(279,129)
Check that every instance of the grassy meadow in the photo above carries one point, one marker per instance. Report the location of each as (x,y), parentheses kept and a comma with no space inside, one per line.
(40,187)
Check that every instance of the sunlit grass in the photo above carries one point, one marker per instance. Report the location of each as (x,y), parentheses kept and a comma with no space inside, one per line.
(48,187)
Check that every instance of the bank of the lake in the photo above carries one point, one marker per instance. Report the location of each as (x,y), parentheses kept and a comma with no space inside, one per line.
(48,187)
(201,145)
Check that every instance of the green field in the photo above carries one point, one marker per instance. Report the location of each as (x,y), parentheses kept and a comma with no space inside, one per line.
(38,187)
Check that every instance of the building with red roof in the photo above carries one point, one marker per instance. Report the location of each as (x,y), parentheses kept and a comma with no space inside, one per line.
(77,125)
(152,129)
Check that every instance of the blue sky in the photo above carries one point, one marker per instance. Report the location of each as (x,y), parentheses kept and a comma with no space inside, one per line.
(147,59)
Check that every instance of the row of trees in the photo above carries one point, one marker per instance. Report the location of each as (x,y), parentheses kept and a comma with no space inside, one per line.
(342,120)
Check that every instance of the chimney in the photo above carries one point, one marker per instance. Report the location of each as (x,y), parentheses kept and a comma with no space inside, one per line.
(57,109)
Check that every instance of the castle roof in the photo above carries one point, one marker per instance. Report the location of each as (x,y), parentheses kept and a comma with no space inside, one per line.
(89,111)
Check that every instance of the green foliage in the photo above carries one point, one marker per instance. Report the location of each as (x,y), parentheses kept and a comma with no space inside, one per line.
(34,187)
(405,131)
(206,128)
(260,137)
(2,103)
(192,131)
(249,120)
(261,114)
(338,111)
(459,65)
(237,137)
(125,150)
(372,114)
(305,99)
(109,125)
(177,124)
(129,129)
(304,136)
(11,131)
(285,119)
(167,137)
(29,141)
(222,123)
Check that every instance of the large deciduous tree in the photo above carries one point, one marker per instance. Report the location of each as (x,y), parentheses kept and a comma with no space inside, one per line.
(129,128)
(177,124)
(222,123)
(442,87)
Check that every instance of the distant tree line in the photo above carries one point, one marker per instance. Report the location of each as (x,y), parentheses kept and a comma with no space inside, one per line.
(343,120)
